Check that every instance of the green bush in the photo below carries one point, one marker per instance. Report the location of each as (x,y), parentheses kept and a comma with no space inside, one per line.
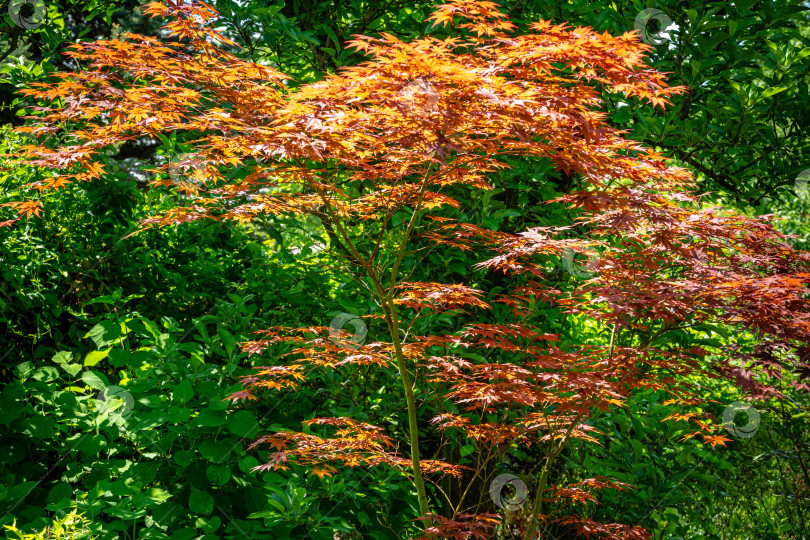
(72,526)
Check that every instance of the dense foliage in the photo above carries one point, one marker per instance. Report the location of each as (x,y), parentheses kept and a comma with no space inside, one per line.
(429,203)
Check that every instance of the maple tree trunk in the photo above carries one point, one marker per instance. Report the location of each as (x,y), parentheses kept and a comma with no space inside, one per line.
(413,423)
(393,325)
(541,484)
(391,318)
(386,298)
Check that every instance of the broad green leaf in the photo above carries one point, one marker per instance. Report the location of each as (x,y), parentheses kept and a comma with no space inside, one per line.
(62,357)
(183,392)
(218,474)
(94,357)
(243,424)
(109,299)
(105,333)
(94,381)
(200,502)
(119,357)
(46,374)
(24,370)
(183,458)
(72,369)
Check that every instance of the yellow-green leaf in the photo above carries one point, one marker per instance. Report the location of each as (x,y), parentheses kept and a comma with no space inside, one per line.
(95,357)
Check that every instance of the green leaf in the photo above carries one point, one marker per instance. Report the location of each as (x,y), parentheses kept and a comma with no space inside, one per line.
(467,449)
(183,392)
(227,339)
(92,379)
(732,27)
(326,28)
(178,415)
(218,474)
(623,115)
(200,502)
(46,374)
(243,424)
(24,370)
(105,333)
(183,458)
(208,526)
(768,92)
(211,418)
(217,451)
(95,357)
(184,534)
(157,495)
(266,513)
(62,357)
(119,357)
(72,369)
(144,328)
(109,299)
(91,445)
(638,450)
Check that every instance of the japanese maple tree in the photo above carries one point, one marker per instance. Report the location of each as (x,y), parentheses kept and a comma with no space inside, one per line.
(378,155)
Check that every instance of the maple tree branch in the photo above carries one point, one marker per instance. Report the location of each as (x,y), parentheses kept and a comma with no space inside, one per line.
(391,318)
(687,157)
(538,498)
(446,496)
(612,338)
(393,324)
(383,225)
(333,220)
(330,231)
(407,234)
(380,236)
(479,470)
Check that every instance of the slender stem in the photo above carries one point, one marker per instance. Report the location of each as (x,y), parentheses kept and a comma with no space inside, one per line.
(612,342)
(392,319)
(790,433)
(538,497)
(406,236)
(478,471)
(413,423)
